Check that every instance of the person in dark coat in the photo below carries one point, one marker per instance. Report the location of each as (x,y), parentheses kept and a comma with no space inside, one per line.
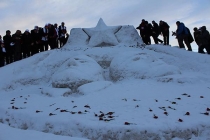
(52,36)
(2,52)
(26,44)
(141,28)
(45,43)
(190,37)
(164,29)
(36,40)
(182,34)
(148,33)
(196,34)
(17,40)
(62,31)
(57,30)
(156,32)
(204,37)
(9,49)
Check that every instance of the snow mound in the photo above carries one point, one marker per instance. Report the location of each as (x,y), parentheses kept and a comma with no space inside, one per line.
(77,71)
(140,66)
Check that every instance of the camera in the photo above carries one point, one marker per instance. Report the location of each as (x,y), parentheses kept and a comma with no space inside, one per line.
(173,33)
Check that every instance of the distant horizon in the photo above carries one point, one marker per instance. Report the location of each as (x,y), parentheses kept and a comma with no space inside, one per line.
(26,14)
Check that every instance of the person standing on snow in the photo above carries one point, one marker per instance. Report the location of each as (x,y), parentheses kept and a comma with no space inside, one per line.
(44,32)
(164,29)
(156,32)
(142,29)
(56,28)
(36,40)
(26,44)
(62,31)
(2,52)
(9,49)
(182,34)
(205,40)
(17,39)
(52,36)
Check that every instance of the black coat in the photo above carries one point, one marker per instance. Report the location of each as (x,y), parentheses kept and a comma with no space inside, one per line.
(27,41)
(164,28)
(36,37)
(2,54)
(156,29)
(17,39)
(7,40)
(190,38)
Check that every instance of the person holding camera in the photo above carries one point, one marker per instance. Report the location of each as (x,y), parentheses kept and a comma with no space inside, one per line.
(182,34)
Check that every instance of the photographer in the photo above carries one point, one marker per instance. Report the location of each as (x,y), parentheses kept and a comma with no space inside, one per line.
(182,34)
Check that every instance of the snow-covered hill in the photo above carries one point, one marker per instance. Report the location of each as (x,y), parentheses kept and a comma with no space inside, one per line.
(105,84)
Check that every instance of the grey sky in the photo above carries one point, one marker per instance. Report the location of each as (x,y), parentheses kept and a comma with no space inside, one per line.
(25,14)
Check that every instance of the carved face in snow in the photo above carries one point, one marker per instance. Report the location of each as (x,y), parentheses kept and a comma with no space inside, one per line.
(102,35)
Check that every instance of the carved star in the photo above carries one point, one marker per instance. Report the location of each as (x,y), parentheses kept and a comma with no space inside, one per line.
(102,35)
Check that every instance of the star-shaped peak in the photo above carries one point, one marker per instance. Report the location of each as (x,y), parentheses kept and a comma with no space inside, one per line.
(101,24)
(102,35)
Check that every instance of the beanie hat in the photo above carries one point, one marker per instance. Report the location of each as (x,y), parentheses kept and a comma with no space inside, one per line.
(35,27)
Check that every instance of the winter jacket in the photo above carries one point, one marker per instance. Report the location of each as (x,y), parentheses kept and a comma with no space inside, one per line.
(181,30)
(62,31)
(190,38)
(156,29)
(2,53)
(196,35)
(141,27)
(27,41)
(7,40)
(36,37)
(205,37)
(164,28)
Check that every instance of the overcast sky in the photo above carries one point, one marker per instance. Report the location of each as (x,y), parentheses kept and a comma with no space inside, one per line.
(25,14)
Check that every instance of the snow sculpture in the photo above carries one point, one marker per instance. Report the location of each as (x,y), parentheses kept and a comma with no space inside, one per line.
(103,36)
(77,71)
(139,66)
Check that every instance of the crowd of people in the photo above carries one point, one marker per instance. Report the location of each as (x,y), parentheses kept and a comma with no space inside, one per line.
(22,45)
(183,35)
